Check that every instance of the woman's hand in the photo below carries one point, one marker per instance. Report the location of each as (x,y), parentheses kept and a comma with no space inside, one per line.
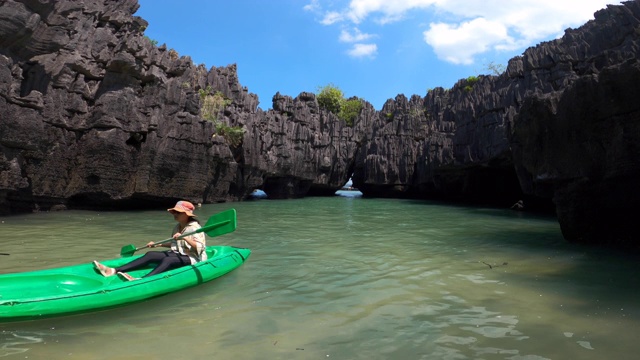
(151,244)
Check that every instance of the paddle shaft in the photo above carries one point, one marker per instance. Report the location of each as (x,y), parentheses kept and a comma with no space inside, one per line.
(219,224)
(170,239)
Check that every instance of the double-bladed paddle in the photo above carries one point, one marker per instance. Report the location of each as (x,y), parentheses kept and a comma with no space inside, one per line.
(218,224)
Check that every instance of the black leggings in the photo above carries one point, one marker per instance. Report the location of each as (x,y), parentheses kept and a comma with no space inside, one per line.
(166,260)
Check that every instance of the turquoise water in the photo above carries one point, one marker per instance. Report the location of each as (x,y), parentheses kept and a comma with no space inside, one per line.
(343,278)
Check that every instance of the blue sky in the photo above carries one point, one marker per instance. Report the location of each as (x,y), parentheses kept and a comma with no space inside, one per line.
(372,49)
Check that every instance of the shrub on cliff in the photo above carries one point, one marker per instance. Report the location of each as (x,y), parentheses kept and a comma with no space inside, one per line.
(470,81)
(349,110)
(331,98)
(211,106)
(495,68)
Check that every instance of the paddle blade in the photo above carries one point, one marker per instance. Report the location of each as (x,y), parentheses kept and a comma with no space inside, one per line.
(127,250)
(221,223)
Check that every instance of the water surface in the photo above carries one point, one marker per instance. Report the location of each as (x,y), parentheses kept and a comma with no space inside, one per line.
(343,278)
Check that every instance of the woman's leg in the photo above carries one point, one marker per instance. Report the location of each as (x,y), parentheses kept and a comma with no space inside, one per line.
(148,258)
(170,260)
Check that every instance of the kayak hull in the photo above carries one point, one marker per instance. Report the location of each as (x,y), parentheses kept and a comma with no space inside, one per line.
(81,288)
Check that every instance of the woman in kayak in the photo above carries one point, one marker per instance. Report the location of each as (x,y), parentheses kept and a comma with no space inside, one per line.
(186,251)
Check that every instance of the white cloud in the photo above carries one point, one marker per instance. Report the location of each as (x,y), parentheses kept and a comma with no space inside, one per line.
(459,43)
(331,18)
(389,10)
(503,25)
(464,29)
(363,50)
(356,36)
(313,6)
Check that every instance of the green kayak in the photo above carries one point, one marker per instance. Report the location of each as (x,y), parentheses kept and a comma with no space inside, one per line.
(80,288)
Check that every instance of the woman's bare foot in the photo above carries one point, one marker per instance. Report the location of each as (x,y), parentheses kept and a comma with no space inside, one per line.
(104,270)
(127,276)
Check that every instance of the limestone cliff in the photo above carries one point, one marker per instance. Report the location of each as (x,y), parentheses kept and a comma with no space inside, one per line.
(93,114)
(562,123)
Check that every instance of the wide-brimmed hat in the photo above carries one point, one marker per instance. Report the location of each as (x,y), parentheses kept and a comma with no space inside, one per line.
(185,207)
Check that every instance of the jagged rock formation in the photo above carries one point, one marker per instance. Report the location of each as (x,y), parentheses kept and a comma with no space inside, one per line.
(296,149)
(95,115)
(561,124)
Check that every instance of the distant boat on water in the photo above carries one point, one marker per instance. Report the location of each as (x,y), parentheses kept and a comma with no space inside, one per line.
(349,193)
(348,190)
(349,186)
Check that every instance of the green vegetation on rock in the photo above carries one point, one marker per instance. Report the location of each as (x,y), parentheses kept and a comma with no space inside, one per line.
(153,42)
(470,81)
(331,98)
(211,106)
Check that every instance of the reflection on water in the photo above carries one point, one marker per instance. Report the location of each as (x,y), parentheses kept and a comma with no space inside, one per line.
(344,278)
(16,342)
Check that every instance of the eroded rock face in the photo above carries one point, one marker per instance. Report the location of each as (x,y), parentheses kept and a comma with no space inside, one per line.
(296,149)
(581,146)
(95,115)
(560,124)
(578,142)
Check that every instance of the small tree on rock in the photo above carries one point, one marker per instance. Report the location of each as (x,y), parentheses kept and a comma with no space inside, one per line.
(331,98)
